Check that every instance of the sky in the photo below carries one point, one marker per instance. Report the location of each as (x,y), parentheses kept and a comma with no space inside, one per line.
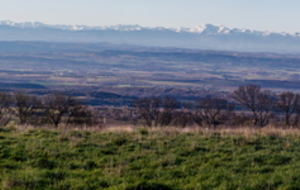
(272,15)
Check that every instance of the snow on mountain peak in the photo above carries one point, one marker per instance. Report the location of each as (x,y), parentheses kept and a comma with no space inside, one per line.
(208,29)
(198,29)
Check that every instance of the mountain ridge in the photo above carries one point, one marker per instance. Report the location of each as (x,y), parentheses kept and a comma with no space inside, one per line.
(205,29)
(209,37)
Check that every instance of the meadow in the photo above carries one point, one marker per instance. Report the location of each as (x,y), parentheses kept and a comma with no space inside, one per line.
(135,158)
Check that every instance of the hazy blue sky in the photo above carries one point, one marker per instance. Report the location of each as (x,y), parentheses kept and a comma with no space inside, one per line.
(274,15)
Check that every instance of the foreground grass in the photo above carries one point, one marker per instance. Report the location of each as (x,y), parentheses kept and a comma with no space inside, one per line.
(142,159)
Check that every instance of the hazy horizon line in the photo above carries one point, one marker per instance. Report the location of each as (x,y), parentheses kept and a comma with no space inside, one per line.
(145,26)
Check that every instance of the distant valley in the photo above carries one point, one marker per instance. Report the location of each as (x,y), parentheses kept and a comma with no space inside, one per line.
(138,71)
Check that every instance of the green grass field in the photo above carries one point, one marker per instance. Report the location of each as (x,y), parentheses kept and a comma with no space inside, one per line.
(148,159)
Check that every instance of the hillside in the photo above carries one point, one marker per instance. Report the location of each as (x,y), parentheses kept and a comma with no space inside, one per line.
(156,159)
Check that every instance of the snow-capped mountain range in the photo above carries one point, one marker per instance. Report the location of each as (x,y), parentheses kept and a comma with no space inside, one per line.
(203,29)
(216,37)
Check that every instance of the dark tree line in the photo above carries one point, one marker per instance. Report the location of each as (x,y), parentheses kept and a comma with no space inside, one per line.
(52,109)
(157,111)
(248,103)
(212,111)
(262,104)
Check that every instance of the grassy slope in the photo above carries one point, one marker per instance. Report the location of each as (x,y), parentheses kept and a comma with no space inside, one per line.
(45,159)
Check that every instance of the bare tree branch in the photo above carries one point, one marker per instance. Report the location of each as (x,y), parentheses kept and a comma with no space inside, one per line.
(213,111)
(288,102)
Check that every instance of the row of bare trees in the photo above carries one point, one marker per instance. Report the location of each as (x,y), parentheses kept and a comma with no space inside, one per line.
(157,111)
(50,109)
(247,105)
(266,105)
(166,111)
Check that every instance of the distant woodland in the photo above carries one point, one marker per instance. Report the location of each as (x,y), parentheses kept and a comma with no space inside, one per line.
(248,105)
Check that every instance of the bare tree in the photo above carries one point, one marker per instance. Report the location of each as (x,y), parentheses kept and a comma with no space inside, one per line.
(81,115)
(26,106)
(213,111)
(266,106)
(6,101)
(167,114)
(247,97)
(183,116)
(148,109)
(288,102)
(56,106)
(157,111)
(260,103)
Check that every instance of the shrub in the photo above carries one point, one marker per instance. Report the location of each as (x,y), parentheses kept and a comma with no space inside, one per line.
(44,163)
(143,131)
(149,186)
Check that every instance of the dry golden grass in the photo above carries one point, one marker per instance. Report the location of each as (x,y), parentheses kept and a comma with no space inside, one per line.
(224,131)
(266,131)
(119,128)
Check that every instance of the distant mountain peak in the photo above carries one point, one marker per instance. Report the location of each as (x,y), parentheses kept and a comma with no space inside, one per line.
(208,36)
(202,29)
(210,29)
